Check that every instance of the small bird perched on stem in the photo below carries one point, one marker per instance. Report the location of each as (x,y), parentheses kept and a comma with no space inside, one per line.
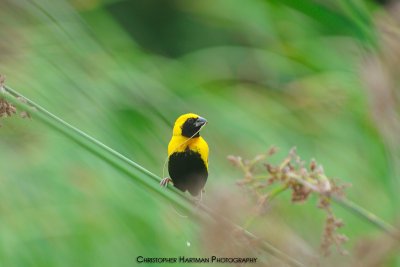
(188,155)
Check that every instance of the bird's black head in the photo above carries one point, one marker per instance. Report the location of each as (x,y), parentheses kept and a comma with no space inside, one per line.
(188,125)
(193,125)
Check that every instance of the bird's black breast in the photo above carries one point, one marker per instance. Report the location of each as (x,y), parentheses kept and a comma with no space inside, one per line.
(188,171)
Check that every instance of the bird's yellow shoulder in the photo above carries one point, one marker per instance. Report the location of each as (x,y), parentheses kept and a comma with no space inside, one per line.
(197,144)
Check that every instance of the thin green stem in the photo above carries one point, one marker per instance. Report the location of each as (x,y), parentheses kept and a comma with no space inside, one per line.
(249,221)
(363,213)
(277,191)
(261,177)
(369,216)
(131,168)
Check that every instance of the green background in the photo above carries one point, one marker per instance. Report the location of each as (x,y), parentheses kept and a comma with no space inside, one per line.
(284,73)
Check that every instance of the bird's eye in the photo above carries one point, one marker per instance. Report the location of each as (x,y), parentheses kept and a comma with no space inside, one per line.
(190,120)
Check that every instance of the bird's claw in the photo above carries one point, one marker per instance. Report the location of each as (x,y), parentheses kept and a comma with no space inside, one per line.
(164,182)
(197,201)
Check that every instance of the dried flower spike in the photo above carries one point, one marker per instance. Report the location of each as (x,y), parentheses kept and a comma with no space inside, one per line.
(293,175)
(7,108)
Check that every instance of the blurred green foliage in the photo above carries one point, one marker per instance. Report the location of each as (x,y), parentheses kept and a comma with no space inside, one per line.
(283,73)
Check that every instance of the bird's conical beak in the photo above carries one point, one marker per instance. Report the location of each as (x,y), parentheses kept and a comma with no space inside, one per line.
(200,122)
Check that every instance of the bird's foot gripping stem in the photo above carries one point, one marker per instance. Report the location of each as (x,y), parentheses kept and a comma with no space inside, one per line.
(197,201)
(164,182)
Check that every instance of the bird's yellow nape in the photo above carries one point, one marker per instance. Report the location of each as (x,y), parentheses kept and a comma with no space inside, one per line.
(177,131)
